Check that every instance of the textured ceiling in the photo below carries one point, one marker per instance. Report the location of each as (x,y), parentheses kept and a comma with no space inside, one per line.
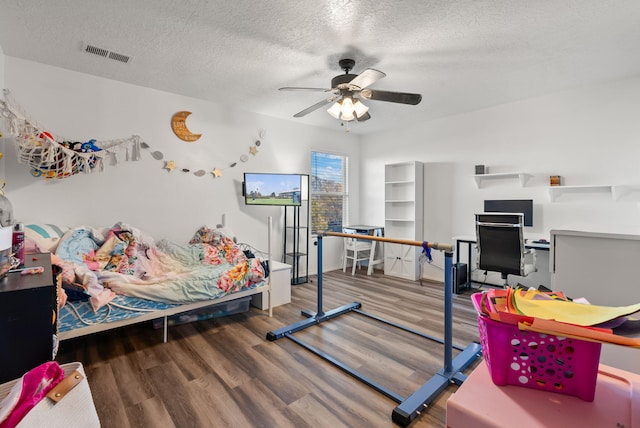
(460,55)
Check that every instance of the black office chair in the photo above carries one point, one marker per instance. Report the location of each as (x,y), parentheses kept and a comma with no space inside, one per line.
(501,245)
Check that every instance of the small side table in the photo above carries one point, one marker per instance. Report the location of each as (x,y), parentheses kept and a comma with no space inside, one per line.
(280,287)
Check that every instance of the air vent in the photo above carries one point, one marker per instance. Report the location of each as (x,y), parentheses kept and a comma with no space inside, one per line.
(119,57)
(106,53)
(96,51)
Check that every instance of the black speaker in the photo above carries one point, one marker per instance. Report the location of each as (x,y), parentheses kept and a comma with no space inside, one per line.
(459,277)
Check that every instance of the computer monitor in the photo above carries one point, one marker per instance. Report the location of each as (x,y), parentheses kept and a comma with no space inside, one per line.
(524,206)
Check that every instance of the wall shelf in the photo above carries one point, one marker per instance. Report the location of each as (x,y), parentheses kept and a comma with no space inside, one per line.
(523,177)
(555,191)
(399,182)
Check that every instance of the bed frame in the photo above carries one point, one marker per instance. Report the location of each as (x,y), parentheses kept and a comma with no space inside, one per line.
(166,313)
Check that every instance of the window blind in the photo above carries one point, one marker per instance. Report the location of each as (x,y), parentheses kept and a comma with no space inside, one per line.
(329,192)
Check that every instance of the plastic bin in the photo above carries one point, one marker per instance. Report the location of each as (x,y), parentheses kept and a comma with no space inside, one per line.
(539,361)
(230,307)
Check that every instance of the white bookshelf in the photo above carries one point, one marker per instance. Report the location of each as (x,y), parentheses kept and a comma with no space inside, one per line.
(403,212)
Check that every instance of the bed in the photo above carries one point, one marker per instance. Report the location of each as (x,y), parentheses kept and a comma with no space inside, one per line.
(117,276)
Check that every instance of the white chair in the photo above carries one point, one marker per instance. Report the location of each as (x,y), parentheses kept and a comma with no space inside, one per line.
(357,251)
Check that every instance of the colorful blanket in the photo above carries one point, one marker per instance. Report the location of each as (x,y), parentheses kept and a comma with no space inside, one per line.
(124,260)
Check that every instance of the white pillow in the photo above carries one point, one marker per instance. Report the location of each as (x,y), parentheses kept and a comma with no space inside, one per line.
(43,237)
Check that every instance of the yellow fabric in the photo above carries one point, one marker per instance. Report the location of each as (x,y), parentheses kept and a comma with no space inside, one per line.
(582,333)
(567,311)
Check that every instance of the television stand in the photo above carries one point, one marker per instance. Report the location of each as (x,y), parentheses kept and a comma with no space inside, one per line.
(296,242)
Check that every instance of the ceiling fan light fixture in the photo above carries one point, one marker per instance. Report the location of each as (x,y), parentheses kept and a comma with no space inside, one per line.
(343,109)
(347,108)
(360,108)
(348,117)
(334,110)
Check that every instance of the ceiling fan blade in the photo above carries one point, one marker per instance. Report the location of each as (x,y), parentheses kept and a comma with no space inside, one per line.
(393,97)
(295,88)
(316,106)
(367,77)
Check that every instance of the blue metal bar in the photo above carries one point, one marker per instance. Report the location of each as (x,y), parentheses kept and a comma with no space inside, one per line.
(313,319)
(451,373)
(317,317)
(405,328)
(342,366)
(448,310)
(411,407)
(319,312)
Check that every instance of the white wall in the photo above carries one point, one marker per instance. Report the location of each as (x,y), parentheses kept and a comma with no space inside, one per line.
(589,135)
(1,67)
(164,204)
(3,131)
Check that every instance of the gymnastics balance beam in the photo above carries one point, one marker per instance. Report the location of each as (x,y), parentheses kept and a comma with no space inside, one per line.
(451,373)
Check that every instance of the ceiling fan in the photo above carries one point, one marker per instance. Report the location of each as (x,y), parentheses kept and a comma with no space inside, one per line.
(348,90)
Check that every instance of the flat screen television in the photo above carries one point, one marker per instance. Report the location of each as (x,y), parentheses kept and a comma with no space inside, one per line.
(272,189)
(524,206)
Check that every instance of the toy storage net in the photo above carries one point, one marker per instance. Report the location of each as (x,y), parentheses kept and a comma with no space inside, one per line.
(55,157)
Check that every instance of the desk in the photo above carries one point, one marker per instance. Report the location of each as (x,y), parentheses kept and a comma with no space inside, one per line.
(365,230)
(470,240)
(600,264)
(371,231)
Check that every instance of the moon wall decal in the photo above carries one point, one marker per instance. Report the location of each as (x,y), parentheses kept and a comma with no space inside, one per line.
(179,126)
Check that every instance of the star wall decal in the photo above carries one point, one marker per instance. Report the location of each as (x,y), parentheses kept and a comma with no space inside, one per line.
(169,165)
(216,172)
(253,150)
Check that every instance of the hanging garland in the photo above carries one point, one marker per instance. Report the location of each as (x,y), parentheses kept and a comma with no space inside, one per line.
(51,157)
(216,172)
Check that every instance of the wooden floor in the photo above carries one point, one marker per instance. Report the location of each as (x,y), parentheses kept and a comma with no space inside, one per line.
(224,373)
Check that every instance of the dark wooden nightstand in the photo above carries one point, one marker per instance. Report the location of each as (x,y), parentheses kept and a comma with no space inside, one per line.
(28,313)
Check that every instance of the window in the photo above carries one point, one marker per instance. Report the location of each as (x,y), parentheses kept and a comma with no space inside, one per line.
(329,191)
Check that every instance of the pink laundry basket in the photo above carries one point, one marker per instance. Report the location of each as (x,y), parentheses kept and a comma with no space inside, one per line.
(539,361)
